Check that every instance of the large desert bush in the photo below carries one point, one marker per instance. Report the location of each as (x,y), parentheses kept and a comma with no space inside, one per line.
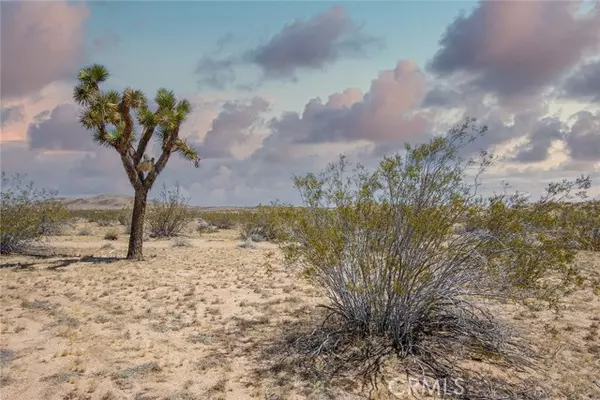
(26,213)
(381,244)
(170,215)
(585,218)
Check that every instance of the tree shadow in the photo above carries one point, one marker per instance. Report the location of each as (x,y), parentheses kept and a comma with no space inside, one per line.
(58,264)
(100,260)
(328,351)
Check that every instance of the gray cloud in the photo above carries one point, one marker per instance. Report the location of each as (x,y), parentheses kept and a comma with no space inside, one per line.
(513,48)
(11,114)
(443,97)
(216,73)
(584,83)
(59,130)
(538,147)
(232,127)
(583,140)
(311,44)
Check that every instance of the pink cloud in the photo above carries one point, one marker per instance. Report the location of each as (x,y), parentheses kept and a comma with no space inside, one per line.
(42,42)
(30,107)
(518,47)
(389,111)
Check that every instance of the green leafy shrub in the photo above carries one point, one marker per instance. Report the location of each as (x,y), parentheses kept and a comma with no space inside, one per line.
(383,247)
(26,214)
(170,215)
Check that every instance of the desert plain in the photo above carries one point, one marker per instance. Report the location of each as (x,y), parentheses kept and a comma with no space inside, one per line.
(205,318)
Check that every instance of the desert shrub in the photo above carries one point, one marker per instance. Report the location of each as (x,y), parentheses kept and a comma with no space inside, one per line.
(221,220)
(205,227)
(26,214)
(381,243)
(125,218)
(53,222)
(85,232)
(111,235)
(104,222)
(261,225)
(585,220)
(170,215)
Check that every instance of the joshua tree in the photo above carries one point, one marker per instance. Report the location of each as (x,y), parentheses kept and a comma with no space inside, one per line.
(110,115)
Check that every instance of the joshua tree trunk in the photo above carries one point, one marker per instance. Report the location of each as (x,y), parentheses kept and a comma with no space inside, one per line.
(137,225)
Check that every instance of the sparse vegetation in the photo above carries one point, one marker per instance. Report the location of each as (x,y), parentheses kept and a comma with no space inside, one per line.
(223,219)
(382,246)
(261,225)
(170,215)
(96,216)
(27,213)
(85,232)
(585,220)
(111,235)
(205,227)
(125,216)
(408,260)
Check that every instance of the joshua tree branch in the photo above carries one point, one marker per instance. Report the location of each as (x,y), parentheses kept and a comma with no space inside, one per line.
(143,143)
(135,179)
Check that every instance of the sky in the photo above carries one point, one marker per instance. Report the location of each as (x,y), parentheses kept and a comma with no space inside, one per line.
(281,88)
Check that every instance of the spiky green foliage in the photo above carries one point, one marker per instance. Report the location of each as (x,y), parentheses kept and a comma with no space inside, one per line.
(26,213)
(113,118)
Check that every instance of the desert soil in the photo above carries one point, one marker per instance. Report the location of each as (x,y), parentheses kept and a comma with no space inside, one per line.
(193,322)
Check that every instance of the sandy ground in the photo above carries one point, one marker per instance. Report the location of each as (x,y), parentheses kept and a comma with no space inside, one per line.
(192,322)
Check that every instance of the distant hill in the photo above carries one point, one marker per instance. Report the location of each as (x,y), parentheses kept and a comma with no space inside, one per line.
(117,202)
(102,202)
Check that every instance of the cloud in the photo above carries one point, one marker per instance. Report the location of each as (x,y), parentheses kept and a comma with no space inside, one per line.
(514,48)
(10,115)
(59,129)
(233,126)
(386,112)
(42,42)
(540,141)
(215,73)
(583,140)
(443,97)
(584,83)
(311,44)
(15,129)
